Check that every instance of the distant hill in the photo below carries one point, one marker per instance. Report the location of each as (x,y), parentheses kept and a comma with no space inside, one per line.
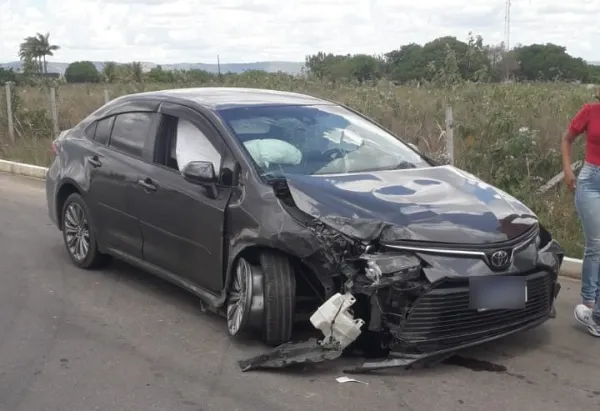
(289,67)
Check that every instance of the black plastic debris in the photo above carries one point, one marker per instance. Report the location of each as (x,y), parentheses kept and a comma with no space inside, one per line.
(291,353)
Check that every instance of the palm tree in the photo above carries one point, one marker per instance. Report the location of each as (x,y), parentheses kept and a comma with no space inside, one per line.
(136,72)
(110,71)
(45,48)
(29,52)
(36,48)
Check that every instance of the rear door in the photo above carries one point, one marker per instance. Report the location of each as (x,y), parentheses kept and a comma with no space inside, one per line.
(121,139)
(183,223)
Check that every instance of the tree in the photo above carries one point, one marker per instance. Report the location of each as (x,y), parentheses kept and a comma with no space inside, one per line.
(45,49)
(362,67)
(36,49)
(158,75)
(549,62)
(110,72)
(406,63)
(594,76)
(29,53)
(327,65)
(134,72)
(7,75)
(82,72)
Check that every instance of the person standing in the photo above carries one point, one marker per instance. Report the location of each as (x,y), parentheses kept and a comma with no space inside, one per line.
(587,202)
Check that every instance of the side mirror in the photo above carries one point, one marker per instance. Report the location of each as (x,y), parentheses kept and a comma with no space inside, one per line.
(199,172)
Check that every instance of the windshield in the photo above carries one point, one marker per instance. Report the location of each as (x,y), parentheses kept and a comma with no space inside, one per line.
(319,139)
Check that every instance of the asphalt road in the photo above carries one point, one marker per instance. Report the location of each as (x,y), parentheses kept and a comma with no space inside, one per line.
(122,340)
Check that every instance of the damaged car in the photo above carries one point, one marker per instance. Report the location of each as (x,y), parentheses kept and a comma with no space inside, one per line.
(275,208)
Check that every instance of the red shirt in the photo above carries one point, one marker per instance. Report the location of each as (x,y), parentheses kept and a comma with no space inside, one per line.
(588,120)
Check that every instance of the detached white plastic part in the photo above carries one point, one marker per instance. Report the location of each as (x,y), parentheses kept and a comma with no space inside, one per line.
(334,311)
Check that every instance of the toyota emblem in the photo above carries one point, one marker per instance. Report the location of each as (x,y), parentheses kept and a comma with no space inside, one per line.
(499,259)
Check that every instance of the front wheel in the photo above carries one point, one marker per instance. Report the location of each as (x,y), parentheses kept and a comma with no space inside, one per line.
(78,235)
(279,297)
(263,297)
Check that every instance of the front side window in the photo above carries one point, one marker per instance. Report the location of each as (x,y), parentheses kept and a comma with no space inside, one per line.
(192,145)
(319,139)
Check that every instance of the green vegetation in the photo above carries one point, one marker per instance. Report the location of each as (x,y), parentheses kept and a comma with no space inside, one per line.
(507,133)
(33,52)
(82,72)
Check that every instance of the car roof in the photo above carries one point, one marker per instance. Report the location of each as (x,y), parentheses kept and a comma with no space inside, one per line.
(218,98)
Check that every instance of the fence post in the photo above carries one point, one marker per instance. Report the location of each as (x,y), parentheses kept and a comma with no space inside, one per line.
(450,134)
(106,96)
(54,111)
(11,126)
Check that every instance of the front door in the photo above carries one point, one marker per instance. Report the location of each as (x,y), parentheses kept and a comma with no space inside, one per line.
(183,223)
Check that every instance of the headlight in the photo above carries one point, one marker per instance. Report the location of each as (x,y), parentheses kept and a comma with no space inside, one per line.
(543,239)
(387,268)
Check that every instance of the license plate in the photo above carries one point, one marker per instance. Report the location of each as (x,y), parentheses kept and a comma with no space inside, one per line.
(497,293)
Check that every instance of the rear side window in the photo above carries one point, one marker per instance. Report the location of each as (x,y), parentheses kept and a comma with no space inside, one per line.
(91,130)
(129,132)
(102,134)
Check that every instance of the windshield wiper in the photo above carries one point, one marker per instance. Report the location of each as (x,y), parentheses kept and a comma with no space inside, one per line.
(402,165)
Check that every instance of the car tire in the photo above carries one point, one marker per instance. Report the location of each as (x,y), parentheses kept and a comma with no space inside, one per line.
(78,234)
(279,288)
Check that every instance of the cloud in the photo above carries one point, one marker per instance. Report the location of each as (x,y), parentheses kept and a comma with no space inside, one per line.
(169,31)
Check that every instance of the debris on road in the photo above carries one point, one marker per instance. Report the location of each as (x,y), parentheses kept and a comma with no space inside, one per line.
(291,353)
(345,379)
(337,325)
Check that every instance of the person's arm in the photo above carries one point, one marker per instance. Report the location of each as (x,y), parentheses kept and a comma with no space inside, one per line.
(577,126)
(567,149)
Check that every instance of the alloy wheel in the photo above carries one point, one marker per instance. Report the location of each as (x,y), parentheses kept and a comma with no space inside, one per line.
(240,298)
(77,232)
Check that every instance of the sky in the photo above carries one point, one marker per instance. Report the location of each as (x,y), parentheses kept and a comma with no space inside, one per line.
(176,31)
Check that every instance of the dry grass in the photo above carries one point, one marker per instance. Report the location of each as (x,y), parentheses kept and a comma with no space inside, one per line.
(487,120)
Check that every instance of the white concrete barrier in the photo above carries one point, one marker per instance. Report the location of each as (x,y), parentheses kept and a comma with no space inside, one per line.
(571,267)
(27,170)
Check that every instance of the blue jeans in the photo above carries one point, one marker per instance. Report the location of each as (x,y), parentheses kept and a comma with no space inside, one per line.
(587,202)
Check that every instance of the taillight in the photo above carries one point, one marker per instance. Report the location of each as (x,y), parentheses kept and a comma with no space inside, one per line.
(57,141)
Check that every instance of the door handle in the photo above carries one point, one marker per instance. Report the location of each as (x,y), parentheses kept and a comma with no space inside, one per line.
(95,161)
(148,185)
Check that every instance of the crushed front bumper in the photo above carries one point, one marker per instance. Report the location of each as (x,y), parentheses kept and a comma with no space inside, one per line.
(405,360)
(439,323)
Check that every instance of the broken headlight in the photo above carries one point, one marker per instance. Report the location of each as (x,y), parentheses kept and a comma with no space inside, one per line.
(387,268)
(543,239)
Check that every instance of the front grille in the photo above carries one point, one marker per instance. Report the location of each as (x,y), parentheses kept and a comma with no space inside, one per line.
(441,317)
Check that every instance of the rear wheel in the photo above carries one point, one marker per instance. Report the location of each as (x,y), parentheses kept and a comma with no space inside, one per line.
(78,235)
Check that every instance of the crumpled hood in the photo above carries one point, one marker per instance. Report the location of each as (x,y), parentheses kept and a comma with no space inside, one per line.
(437,204)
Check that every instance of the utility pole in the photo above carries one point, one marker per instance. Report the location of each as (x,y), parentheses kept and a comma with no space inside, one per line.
(507,38)
(507,25)
(218,65)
